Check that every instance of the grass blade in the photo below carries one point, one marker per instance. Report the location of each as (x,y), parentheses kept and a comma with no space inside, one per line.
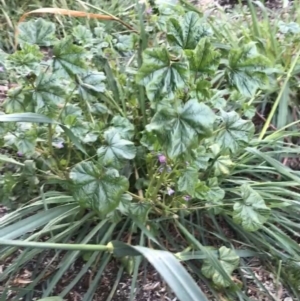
(279,97)
(33,222)
(38,118)
(168,267)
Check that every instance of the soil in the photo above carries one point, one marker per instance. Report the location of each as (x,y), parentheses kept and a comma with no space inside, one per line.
(150,286)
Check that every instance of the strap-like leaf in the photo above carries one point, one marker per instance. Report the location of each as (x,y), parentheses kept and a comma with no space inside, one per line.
(32,222)
(51,299)
(38,118)
(169,268)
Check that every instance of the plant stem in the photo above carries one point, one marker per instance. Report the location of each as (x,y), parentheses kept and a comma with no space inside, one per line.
(137,197)
(50,133)
(142,46)
(50,139)
(45,245)
(276,103)
(113,103)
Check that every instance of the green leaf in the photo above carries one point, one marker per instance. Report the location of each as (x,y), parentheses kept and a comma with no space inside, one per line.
(31,223)
(15,102)
(124,42)
(47,94)
(83,35)
(178,129)
(3,56)
(38,118)
(200,190)
(99,109)
(161,74)
(117,149)
(228,260)
(39,32)
(90,137)
(215,193)
(200,158)
(204,59)
(185,32)
(188,181)
(23,138)
(249,110)
(8,184)
(124,205)
(214,196)
(73,138)
(71,110)
(7,159)
(202,89)
(68,58)
(26,142)
(90,84)
(185,255)
(222,165)
(98,188)
(252,211)
(56,298)
(79,127)
(171,270)
(124,127)
(29,173)
(217,101)
(190,184)
(234,132)
(25,60)
(150,141)
(140,210)
(247,69)
(291,27)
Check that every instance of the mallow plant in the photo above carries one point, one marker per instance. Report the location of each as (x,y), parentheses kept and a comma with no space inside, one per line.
(141,143)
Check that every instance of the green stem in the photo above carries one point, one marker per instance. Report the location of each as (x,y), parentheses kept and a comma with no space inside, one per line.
(276,103)
(112,102)
(186,4)
(65,103)
(69,152)
(44,245)
(50,133)
(253,98)
(137,197)
(158,185)
(142,46)
(153,177)
(50,140)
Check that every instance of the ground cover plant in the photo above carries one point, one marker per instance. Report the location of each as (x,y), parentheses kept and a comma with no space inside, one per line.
(141,133)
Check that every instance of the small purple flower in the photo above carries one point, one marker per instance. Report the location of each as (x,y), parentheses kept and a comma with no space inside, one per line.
(1,69)
(20,154)
(149,11)
(170,191)
(187,198)
(59,144)
(162,159)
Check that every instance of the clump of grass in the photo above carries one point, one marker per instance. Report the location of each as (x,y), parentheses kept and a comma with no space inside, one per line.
(145,136)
